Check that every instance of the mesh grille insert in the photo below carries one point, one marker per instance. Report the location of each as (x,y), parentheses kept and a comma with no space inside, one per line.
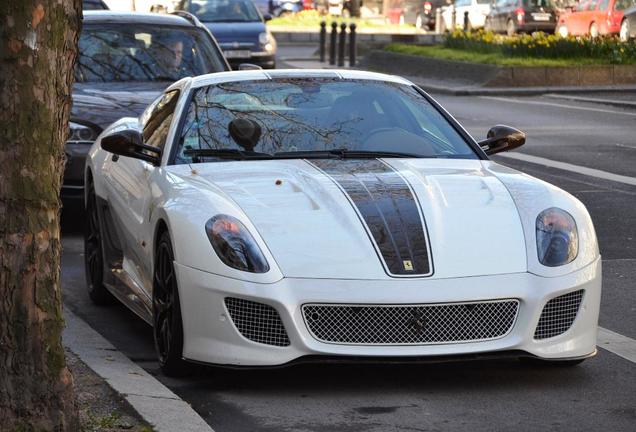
(558,315)
(410,324)
(257,322)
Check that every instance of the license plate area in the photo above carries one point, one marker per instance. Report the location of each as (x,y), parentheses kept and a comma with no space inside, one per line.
(237,54)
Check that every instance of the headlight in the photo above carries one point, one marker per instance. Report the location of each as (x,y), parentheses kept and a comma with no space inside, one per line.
(81,134)
(557,237)
(263,38)
(234,245)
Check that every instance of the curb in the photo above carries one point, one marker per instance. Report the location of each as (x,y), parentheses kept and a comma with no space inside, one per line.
(154,402)
(618,103)
(458,90)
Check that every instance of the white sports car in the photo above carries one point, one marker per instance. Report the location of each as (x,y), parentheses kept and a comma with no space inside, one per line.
(263,218)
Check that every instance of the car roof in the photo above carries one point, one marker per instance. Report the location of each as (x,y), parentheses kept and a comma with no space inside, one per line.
(135,18)
(249,75)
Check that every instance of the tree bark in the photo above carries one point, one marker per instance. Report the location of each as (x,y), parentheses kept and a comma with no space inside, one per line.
(38,48)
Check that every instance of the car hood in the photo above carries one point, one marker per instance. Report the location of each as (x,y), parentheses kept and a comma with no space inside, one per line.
(236,31)
(101,104)
(364,219)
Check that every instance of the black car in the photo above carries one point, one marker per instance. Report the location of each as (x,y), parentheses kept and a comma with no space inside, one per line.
(94,5)
(239,28)
(628,24)
(418,12)
(522,16)
(125,61)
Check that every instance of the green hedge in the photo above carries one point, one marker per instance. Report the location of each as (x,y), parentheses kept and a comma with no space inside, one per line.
(607,49)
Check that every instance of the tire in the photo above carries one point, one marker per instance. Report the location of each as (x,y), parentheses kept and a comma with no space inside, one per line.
(487,25)
(94,264)
(593,30)
(167,326)
(511,29)
(624,31)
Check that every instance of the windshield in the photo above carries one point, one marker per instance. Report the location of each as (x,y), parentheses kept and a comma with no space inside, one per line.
(299,116)
(124,52)
(225,10)
(539,3)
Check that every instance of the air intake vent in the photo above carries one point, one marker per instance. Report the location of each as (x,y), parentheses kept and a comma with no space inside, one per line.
(257,322)
(410,324)
(558,315)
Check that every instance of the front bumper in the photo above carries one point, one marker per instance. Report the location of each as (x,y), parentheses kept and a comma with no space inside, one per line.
(266,61)
(73,183)
(210,336)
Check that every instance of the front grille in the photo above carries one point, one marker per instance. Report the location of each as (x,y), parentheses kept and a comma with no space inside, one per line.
(558,315)
(410,324)
(258,322)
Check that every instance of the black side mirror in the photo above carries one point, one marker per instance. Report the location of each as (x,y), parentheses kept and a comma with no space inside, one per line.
(267,17)
(129,142)
(502,138)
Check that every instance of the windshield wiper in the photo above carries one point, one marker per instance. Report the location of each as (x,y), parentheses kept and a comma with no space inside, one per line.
(345,154)
(236,154)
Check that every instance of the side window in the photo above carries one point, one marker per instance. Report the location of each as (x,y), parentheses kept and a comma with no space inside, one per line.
(603,5)
(157,118)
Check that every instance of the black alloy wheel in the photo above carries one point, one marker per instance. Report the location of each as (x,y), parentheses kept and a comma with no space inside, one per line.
(94,254)
(166,311)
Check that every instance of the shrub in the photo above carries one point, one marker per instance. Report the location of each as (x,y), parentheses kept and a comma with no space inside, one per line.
(542,45)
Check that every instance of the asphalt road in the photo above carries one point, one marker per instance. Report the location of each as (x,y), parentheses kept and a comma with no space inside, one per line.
(600,394)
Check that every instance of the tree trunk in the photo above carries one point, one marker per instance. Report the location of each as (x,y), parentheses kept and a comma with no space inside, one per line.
(38,48)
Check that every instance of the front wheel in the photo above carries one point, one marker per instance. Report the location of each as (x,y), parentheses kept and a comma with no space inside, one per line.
(166,311)
(625,30)
(510,28)
(593,30)
(94,265)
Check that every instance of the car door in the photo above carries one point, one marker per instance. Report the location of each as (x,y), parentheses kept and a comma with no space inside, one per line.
(128,188)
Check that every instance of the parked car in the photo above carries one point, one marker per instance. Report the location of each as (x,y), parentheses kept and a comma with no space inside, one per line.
(239,28)
(125,60)
(628,25)
(477,10)
(262,218)
(594,17)
(417,12)
(94,5)
(277,8)
(522,16)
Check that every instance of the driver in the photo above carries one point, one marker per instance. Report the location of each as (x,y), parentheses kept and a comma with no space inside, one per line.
(169,56)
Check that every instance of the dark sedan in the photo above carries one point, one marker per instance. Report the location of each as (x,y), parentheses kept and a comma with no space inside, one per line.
(125,61)
(522,16)
(239,28)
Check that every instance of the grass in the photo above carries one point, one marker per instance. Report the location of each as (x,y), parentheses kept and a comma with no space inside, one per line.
(441,52)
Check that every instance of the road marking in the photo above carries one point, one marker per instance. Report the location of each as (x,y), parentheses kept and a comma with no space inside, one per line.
(592,100)
(617,344)
(572,168)
(528,102)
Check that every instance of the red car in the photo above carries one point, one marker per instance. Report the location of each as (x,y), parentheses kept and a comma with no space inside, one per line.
(593,17)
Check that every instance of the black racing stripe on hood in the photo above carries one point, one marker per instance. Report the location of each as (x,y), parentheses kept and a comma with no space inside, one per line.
(389,208)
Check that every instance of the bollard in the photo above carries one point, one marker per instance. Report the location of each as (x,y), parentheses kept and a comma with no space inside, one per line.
(453,19)
(466,22)
(352,45)
(332,45)
(323,40)
(341,46)
(438,20)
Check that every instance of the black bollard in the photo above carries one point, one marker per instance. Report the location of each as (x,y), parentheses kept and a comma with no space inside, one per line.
(341,46)
(332,45)
(466,22)
(352,45)
(323,40)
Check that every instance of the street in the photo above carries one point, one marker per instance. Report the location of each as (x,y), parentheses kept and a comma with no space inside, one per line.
(596,140)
